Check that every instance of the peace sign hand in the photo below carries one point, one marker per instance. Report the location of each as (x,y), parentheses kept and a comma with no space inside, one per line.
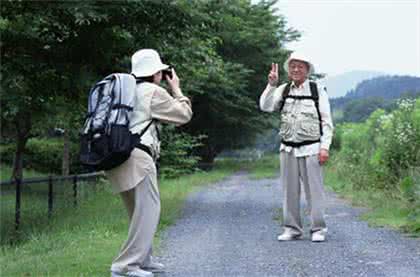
(273,76)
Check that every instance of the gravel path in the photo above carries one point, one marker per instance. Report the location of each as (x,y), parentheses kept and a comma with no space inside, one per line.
(230,229)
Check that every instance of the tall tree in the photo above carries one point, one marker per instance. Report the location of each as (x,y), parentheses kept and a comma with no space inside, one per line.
(53,51)
(49,50)
(246,40)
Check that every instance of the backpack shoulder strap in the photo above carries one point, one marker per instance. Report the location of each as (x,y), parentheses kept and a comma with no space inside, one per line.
(314,91)
(315,96)
(285,94)
(146,128)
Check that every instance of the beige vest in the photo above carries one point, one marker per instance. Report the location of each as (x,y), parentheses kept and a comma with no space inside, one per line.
(142,116)
(299,121)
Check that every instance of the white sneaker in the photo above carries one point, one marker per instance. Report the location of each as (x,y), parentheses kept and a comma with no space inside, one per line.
(132,273)
(289,234)
(318,236)
(154,267)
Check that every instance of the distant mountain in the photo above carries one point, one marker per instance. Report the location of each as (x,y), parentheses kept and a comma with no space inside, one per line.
(339,85)
(386,87)
(369,95)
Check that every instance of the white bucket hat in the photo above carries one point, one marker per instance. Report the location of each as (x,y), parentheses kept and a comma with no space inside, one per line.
(300,57)
(146,62)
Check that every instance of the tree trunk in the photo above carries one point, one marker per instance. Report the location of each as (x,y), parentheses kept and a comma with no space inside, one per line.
(65,169)
(208,153)
(23,125)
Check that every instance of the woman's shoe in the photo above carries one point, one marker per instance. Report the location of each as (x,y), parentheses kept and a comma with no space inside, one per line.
(132,273)
(154,267)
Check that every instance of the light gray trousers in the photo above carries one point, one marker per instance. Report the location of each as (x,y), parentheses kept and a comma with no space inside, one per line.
(309,172)
(143,207)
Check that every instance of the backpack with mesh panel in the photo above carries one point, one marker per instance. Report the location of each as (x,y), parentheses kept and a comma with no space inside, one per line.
(106,140)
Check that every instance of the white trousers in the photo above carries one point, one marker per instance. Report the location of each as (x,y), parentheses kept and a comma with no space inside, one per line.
(309,171)
(143,207)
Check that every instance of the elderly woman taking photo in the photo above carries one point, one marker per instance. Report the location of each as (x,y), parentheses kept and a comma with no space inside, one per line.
(136,179)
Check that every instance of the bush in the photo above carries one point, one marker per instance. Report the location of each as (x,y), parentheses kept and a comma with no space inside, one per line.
(402,138)
(176,155)
(44,155)
(384,151)
(337,139)
(383,155)
(354,142)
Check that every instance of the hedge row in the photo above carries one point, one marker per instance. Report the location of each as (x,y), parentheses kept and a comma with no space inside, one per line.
(384,151)
(43,155)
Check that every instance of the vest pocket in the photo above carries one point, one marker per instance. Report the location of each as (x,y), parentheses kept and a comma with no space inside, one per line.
(285,130)
(308,109)
(308,130)
(288,103)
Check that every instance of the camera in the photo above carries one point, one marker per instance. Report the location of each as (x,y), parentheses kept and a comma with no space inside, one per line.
(167,72)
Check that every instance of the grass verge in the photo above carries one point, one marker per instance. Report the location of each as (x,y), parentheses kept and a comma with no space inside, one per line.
(383,210)
(266,167)
(6,172)
(84,240)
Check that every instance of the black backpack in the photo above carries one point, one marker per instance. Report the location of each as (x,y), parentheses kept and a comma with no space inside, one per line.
(105,140)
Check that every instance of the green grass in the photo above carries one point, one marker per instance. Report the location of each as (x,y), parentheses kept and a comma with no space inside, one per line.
(34,208)
(6,173)
(383,210)
(83,241)
(267,167)
(278,215)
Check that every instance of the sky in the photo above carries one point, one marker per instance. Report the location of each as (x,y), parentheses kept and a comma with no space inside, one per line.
(346,35)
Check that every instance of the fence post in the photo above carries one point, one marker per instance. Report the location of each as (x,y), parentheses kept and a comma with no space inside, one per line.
(50,196)
(17,207)
(75,190)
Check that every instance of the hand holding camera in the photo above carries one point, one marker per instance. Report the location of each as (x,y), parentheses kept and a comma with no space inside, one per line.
(167,72)
(172,79)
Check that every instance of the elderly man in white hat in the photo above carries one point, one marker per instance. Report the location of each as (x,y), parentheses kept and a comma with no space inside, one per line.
(136,179)
(306,132)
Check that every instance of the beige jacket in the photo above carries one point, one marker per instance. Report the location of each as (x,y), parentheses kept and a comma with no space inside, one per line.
(152,103)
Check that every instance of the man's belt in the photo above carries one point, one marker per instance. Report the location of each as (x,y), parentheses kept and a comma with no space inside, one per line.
(299,144)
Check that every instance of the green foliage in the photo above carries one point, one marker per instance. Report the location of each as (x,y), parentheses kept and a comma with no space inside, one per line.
(43,155)
(380,92)
(360,109)
(266,167)
(402,141)
(53,51)
(337,139)
(177,153)
(242,42)
(384,152)
(6,172)
(407,189)
(82,240)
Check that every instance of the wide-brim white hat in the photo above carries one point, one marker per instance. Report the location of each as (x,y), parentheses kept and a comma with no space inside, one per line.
(300,57)
(146,62)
